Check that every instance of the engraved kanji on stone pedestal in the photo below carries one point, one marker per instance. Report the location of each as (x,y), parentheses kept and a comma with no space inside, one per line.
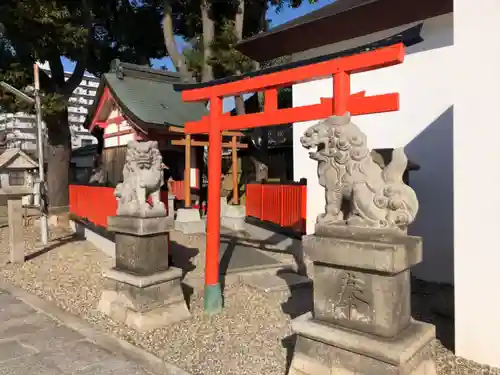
(142,290)
(362,277)
(361,323)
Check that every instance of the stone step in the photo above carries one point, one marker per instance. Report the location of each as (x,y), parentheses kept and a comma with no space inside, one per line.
(280,281)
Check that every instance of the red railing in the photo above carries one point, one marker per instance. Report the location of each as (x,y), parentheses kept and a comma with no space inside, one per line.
(96,203)
(284,205)
(178,189)
(93,203)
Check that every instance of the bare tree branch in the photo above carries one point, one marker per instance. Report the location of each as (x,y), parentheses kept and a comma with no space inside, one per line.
(46,83)
(168,34)
(56,68)
(238,32)
(208,38)
(81,65)
(238,20)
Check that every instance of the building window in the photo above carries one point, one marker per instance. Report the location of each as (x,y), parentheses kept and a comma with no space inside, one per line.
(16,178)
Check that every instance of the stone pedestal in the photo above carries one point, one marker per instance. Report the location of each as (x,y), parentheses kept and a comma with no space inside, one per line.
(233,217)
(142,291)
(362,315)
(171,206)
(189,221)
(144,302)
(15,218)
(330,350)
(142,244)
(223,205)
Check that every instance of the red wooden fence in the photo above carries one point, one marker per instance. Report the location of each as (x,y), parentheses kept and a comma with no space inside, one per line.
(96,203)
(178,189)
(284,205)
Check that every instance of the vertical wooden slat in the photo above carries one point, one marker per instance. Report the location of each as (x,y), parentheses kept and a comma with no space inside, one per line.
(234,157)
(303,208)
(282,205)
(262,196)
(187,172)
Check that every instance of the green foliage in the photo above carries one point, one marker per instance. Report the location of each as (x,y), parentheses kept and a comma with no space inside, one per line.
(89,32)
(280,4)
(225,59)
(194,57)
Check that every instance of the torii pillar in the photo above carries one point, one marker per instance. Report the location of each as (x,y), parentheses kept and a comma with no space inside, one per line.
(216,122)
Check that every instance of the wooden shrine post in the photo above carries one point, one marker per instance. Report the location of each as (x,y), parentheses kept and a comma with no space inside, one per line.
(234,157)
(188,143)
(217,122)
(187,172)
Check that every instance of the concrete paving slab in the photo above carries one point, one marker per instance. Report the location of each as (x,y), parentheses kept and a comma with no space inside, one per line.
(12,349)
(78,356)
(37,338)
(20,326)
(30,365)
(54,339)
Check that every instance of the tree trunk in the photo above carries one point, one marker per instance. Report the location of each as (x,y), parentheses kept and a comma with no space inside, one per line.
(171,45)
(58,157)
(239,19)
(259,154)
(208,38)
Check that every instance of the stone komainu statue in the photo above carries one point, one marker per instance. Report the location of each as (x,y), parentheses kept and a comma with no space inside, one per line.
(142,178)
(376,197)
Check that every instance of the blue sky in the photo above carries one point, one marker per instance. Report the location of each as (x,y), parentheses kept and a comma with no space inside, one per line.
(276,19)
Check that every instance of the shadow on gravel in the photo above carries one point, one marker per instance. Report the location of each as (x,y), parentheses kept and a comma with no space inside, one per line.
(52,245)
(300,302)
(181,256)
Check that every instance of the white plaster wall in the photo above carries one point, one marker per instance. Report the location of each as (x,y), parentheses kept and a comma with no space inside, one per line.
(424,125)
(126,138)
(477,174)
(110,142)
(114,113)
(120,140)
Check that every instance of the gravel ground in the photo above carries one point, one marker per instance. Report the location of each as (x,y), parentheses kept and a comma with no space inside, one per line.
(251,336)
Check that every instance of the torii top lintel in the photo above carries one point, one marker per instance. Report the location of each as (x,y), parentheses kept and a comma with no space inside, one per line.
(342,101)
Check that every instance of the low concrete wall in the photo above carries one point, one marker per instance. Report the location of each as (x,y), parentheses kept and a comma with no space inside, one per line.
(102,243)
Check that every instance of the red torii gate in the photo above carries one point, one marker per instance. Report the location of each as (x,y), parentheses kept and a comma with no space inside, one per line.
(216,122)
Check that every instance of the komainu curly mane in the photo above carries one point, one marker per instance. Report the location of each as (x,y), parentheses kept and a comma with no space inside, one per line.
(142,178)
(377,197)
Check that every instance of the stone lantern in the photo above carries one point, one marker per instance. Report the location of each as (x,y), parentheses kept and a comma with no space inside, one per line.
(15,185)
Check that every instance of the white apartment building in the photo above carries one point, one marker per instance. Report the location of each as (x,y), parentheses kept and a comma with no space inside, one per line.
(20,128)
(82,99)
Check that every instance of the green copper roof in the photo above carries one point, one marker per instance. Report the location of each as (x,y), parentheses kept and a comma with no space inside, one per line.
(147,96)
